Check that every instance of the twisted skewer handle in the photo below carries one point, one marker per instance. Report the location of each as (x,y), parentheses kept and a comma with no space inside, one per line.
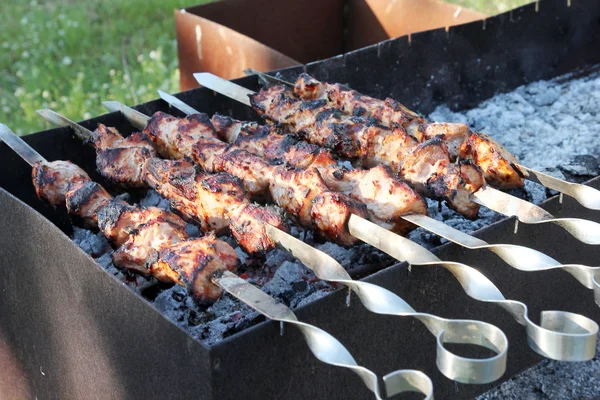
(583,230)
(585,195)
(519,257)
(561,335)
(324,346)
(381,301)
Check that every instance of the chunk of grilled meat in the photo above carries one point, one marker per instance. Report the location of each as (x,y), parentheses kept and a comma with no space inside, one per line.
(294,191)
(52,180)
(302,193)
(121,160)
(388,112)
(493,159)
(214,201)
(174,137)
(202,198)
(385,197)
(196,262)
(277,103)
(150,241)
(429,169)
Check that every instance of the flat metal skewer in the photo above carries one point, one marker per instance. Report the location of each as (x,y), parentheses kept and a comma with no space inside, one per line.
(574,339)
(519,257)
(324,346)
(584,230)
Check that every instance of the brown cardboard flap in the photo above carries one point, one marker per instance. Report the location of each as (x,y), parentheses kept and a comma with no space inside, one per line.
(229,36)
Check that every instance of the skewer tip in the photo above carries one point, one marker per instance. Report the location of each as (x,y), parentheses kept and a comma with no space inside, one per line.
(112,105)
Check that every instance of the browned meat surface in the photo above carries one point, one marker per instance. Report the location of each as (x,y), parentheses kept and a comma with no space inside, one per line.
(83,202)
(423,166)
(214,201)
(121,160)
(209,200)
(175,137)
(429,169)
(196,262)
(453,134)
(141,249)
(293,190)
(385,197)
(494,160)
(389,112)
(52,180)
(150,241)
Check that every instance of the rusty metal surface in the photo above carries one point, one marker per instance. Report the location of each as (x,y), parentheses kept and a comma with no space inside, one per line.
(226,37)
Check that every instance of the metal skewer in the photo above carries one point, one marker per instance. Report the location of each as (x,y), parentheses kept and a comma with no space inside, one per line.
(323,345)
(519,257)
(584,230)
(573,338)
(585,195)
(382,301)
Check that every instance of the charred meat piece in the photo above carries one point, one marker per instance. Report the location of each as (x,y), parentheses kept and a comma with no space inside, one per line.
(248,226)
(83,202)
(174,137)
(453,134)
(121,160)
(389,112)
(385,197)
(293,190)
(214,201)
(493,159)
(203,198)
(195,263)
(52,180)
(162,130)
(429,169)
(146,239)
(149,240)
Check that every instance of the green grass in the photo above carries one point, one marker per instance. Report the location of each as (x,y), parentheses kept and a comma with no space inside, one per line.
(490,7)
(70,55)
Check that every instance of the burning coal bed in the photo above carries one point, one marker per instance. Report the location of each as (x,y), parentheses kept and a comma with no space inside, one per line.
(550,126)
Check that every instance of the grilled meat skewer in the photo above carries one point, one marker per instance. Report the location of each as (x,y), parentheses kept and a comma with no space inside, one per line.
(150,241)
(303,194)
(426,166)
(494,160)
(387,199)
(213,201)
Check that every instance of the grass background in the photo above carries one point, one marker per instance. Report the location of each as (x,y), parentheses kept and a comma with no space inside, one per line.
(70,55)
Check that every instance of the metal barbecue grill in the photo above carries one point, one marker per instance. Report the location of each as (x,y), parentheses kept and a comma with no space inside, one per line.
(255,359)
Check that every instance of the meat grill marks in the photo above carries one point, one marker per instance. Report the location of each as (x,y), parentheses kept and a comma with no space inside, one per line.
(371,145)
(302,193)
(214,202)
(150,241)
(385,197)
(494,160)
